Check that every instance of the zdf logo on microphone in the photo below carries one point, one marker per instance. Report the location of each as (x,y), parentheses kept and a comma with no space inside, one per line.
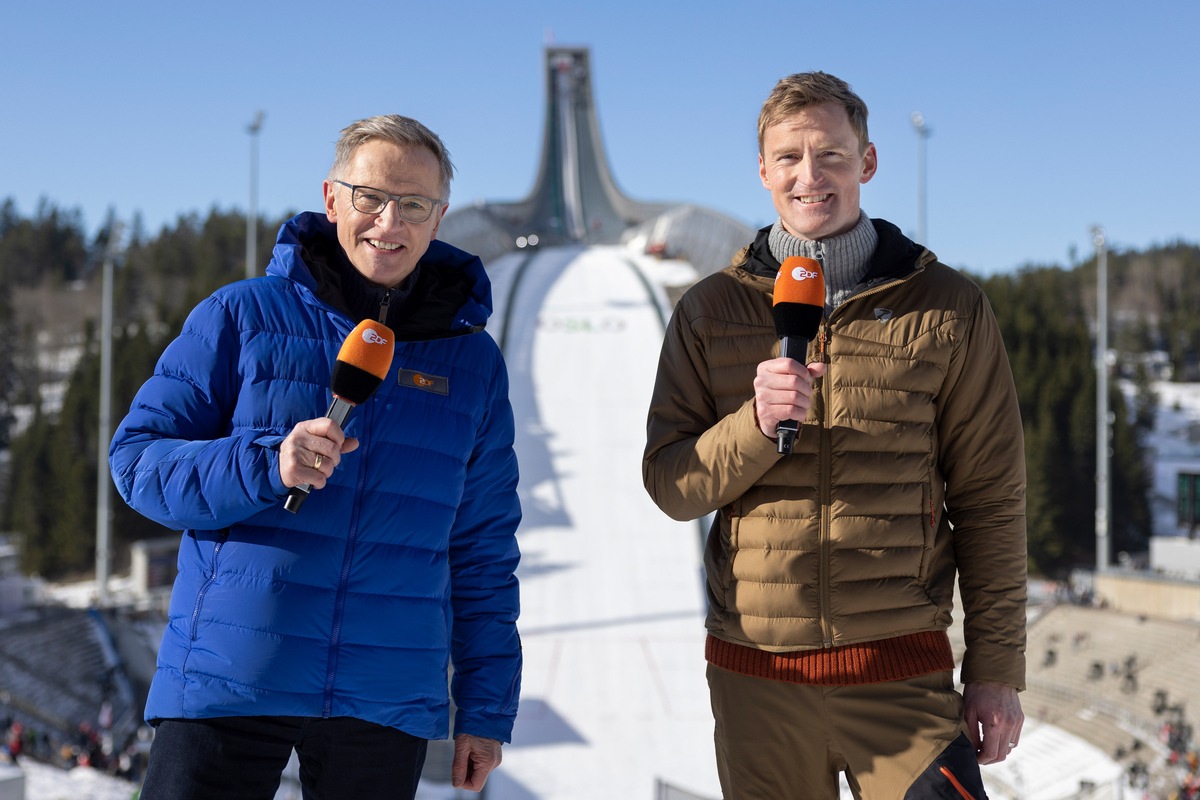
(372,336)
(802,274)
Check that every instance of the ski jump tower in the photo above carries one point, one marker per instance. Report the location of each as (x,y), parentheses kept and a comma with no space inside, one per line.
(575,199)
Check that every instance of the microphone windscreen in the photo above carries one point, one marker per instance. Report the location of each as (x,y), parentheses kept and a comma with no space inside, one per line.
(800,281)
(363,362)
(799,298)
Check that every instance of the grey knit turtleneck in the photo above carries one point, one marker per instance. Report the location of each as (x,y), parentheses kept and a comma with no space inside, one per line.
(843,258)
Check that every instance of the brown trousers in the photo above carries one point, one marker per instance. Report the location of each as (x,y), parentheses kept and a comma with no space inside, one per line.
(785,741)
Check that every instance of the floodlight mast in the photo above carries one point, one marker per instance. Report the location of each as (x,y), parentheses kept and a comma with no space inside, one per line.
(252,212)
(1103,424)
(104,432)
(923,131)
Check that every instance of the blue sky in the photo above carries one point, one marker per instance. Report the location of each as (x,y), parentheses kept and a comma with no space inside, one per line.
(1046,117)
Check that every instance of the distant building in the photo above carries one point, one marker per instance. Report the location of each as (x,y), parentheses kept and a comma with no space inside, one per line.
(154,564)
(16,591)
(1167,585)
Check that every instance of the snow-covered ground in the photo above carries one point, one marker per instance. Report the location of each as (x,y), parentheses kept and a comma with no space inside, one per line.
(44,782)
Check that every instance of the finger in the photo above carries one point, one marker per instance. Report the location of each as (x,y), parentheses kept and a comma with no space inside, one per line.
(973,734)
(477,777)
(995,748)
(458,770)
(325,457)
(1013,739)
(792,376)
(470,776)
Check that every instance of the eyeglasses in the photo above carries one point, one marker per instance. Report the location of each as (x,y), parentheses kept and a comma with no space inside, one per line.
(412,207)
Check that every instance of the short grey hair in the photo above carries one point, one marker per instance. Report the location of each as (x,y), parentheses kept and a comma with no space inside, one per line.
(400,131)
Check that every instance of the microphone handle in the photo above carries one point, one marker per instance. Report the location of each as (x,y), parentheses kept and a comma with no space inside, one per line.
(339,409)
(795,348)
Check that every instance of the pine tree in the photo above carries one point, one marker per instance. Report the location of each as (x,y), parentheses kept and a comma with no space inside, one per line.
(9,379)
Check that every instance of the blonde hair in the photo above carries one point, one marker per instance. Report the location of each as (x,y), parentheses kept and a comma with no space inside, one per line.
(803,89)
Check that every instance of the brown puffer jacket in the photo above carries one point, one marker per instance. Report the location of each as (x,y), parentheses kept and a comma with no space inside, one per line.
(910,464)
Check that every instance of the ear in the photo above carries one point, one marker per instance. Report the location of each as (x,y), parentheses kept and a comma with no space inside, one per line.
(438,223)
(328,189)
(870,164)
(762,172)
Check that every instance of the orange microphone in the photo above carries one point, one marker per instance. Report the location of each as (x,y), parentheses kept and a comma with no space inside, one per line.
(797,306)
(362,364)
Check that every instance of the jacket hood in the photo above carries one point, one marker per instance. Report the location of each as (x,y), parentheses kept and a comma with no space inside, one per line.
(448,294)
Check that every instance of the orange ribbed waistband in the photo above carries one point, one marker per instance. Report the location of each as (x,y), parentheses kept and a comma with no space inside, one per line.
(893,659)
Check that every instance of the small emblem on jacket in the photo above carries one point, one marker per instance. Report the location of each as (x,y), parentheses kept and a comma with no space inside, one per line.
(426,383)
(883,314)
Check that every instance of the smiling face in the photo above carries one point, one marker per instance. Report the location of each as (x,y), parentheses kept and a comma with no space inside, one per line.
(813,164)
(383,247)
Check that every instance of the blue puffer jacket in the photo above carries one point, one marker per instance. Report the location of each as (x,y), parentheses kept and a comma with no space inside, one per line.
(356,605)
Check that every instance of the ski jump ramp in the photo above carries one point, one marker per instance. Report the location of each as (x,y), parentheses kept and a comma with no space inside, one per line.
(615,703)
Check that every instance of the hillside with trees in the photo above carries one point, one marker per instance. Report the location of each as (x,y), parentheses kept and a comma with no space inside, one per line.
(50,275)
(49,373)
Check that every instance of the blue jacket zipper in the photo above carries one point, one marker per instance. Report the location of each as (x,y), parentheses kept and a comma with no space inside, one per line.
(339,606)
(212,578)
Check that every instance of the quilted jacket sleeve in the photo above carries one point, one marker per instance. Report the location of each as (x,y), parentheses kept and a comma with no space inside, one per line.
(695,463)
(484,592)
(983,460)
(175,458)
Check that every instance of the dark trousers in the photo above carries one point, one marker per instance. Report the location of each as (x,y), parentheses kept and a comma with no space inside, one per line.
(243,758)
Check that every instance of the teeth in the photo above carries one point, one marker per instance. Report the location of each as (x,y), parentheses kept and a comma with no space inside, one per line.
(383,245)
(820,198)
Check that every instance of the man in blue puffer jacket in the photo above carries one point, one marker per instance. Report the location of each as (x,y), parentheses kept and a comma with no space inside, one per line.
(332,630)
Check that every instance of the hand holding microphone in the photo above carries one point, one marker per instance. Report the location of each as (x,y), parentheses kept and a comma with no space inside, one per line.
(797,307)
(361,365)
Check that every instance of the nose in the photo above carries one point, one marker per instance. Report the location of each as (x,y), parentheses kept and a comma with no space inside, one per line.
(809,172)
(389,216)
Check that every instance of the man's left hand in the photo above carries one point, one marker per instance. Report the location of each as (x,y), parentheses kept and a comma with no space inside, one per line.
(994,720)
(474,758)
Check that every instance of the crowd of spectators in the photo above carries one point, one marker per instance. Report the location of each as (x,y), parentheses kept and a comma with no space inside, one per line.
(88,746)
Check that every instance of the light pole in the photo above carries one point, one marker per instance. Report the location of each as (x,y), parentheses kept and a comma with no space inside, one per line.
(252,213)
(104,433)
(923,131)
(1103,432)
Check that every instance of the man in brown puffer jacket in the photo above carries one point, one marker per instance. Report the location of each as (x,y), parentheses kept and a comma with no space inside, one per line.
(830,571)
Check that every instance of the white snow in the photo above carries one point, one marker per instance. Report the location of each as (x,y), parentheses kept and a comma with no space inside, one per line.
(44,782)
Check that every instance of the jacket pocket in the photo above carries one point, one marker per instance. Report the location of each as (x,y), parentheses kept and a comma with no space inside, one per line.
(213,571)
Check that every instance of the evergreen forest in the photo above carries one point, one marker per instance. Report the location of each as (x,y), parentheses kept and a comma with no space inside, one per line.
(50,287)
